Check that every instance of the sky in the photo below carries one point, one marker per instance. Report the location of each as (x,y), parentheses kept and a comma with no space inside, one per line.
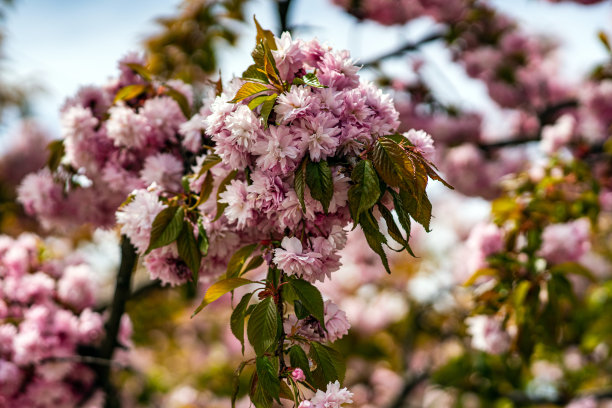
(63,44)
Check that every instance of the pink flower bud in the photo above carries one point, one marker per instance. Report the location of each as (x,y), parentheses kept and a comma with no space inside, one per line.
(298,375)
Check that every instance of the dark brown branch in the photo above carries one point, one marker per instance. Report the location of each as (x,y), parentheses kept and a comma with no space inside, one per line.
(408,47)
(283,14)
(546,117)
(110,343)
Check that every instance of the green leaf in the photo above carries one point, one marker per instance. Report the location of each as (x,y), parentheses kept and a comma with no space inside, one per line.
(299,182)
(267,377)
(203,242)
(309,79)
(140,70)
(220,288)
(249,89)
(254,263)
(325,371)
(167,227)
(209,161)
(310,297)
(129,92)
(266,36)
(254,74)
(238,316)
(236,382)
(418,208)
(373,237)
(259,396)
(207,187)
(338,360)
(392,163)
(366,190)
(266,108)
(256,101)
(56,153)
(224,183)
(392,228)
(319,180)
(261,329)
(300,311)
(402,212)
(180,99)
(298,359)
(188,250)
(234,266)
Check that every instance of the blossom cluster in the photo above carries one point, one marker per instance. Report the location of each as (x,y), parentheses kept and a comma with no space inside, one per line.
(115,138)
(46,316)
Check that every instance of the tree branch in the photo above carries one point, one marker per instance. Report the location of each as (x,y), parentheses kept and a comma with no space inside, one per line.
(283,13)
(546,117)
(121,296)
(408,47)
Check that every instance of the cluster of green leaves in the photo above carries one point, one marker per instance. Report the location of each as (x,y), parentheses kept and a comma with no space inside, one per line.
(538,297)
(391,169)
(186,48)
(262,312)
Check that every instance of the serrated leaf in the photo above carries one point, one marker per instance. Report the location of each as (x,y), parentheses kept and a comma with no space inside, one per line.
(208,163)
(180,99)
(392,228)
(166,228)
(254,74)
(403,216)
(392,163)
(218,289)
(338,360)
(266,108)
(254,263)
(249,89)
(56,154)
(237,318)
(374,237)
(310,297)
(298,359)
(259,396)
(238,259)
(325,371)
(320,182)
(129,92)
(188,250)
(365,192)
(140,70)
(203,242)
(299,182)
(267,377)
(224,183)
(255,102)
(262,326)
(419,208)
(300,311)
(266,36)
(309,79)
(207,188)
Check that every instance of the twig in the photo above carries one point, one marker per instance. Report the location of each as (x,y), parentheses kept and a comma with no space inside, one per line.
(410,46)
